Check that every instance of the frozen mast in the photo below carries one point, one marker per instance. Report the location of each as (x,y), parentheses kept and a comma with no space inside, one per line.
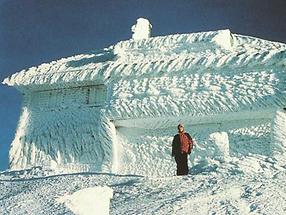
(142,29)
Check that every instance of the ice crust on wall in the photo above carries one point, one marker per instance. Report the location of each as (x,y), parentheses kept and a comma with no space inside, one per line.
(197,94)
(148,152)
(209,80)
(72,139)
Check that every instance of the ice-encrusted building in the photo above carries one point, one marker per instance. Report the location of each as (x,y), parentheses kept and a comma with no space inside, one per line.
(116,110)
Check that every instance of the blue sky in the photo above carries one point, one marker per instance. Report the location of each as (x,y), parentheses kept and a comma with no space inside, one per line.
(33,32)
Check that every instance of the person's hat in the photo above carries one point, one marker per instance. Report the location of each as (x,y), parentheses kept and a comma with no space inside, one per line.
(180,125)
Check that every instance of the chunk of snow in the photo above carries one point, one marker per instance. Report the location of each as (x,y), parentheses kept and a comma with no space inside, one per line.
(142,29)
(89,201)
(224,39)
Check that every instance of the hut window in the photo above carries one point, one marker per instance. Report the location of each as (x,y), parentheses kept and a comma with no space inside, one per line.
(90,95)
(97,94)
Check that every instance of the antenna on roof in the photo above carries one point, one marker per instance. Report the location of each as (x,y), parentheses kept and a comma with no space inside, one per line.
(142,29)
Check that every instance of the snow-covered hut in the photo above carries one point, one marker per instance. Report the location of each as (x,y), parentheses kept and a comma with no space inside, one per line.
(116,110)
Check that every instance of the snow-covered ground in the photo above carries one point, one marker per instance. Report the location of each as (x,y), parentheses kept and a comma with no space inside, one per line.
(252,185)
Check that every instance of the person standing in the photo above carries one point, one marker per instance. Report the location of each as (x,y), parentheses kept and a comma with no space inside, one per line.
(182,146)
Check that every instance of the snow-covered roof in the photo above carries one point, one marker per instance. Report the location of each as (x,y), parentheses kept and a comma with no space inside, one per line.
(156,56)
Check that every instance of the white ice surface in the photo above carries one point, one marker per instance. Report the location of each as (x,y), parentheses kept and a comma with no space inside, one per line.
(89,201)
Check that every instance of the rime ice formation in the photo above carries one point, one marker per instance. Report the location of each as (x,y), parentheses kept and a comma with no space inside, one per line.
(279,130)
(106,110)
(142,29)
(221,142)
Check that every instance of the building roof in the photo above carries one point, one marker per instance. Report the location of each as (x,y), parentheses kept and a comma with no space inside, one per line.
(157,56)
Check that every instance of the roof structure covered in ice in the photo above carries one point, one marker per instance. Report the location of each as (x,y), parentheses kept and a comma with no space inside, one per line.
(156,56)
(197,75)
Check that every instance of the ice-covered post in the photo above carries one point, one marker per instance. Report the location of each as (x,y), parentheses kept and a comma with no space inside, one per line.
(221,141)
(142,29)
(108,139)
(279,132)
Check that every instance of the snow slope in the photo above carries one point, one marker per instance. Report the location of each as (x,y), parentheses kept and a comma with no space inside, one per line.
(253,185)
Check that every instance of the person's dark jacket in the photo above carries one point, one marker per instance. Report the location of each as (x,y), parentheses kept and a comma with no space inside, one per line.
(176,145)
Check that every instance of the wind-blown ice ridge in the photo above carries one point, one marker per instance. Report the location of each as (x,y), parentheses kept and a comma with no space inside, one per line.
(198,94)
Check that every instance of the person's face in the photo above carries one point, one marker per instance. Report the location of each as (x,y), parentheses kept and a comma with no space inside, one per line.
(181,128)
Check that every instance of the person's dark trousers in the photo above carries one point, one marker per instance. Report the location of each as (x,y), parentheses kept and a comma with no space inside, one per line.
(182,164)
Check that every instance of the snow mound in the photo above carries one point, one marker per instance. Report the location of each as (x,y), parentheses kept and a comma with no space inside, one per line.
(89,201)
